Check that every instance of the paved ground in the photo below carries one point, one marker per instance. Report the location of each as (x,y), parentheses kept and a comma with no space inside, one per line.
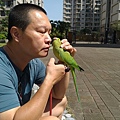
(99,84)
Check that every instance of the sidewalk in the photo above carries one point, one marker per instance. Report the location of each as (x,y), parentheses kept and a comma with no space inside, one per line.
(99,84)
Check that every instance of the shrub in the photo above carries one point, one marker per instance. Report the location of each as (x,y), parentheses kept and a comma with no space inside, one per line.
(2,38)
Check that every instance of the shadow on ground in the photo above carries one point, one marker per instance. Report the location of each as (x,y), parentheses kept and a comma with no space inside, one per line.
(97,45)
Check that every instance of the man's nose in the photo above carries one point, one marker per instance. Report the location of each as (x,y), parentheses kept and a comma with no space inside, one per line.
(48,38)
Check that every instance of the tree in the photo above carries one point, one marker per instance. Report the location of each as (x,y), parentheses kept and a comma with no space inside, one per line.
(2,5)
(116,30)
(4,22)
(59,29)
(85,31)
(116,26)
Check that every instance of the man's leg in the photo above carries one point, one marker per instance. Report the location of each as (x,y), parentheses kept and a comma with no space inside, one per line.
(58,107)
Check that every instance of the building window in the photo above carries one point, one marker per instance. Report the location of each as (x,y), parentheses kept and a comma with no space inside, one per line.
(8,3)
(68,1)
(2,13)
(79,1)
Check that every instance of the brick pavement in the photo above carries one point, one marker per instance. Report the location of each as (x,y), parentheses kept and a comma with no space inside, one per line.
(99,84)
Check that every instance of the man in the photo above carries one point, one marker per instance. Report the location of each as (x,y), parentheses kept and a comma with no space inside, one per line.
(29,39)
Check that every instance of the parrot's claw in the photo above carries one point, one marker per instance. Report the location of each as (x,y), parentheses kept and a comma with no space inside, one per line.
(67,69)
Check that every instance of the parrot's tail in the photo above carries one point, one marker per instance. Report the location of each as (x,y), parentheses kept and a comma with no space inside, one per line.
(75,84)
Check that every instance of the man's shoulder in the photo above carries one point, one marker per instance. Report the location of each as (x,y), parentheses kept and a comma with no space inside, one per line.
(4,61)
(6,67)
(36,61)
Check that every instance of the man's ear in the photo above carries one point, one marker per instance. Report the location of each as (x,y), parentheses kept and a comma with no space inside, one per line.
(15,33)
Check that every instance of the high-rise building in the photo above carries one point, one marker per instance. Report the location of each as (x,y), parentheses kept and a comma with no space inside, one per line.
(110,14)
(8,4)
(37,2)
(82,14)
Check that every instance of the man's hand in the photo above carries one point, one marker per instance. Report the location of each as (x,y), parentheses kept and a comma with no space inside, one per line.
(66,46)
(55,72)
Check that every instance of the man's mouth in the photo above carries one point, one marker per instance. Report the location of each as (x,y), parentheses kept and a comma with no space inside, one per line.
(46,49)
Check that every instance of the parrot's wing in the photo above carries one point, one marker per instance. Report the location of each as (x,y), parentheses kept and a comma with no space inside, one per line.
(68,59)
(57,52)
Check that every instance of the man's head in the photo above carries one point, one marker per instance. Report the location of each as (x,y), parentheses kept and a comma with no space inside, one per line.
(19,16)
(29,30)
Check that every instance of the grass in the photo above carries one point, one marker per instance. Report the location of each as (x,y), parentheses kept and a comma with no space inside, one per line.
(1,44)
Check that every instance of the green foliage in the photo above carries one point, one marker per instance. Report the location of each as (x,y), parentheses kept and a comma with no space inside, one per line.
(2,36)
(1,44)
(85,31)
(1,4)
(116,26)
(4,22)
(59,29)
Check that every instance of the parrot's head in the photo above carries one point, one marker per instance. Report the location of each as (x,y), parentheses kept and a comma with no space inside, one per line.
(56,42)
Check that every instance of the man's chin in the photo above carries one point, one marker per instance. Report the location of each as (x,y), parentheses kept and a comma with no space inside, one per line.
(44,55)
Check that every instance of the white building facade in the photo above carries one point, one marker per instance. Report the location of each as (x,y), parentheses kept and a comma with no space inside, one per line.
(8,4)
(82,14)
(37,2)
(110,13)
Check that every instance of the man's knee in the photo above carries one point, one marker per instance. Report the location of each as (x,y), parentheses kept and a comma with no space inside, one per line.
(64,102)
(58,107)
(62,106)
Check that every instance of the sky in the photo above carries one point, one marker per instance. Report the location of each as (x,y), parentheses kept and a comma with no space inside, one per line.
(54,9)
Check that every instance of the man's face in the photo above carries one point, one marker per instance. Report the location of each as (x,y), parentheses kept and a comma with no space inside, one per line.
(35,40)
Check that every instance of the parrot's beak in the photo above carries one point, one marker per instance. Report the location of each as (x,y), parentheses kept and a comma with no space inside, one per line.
(55,38)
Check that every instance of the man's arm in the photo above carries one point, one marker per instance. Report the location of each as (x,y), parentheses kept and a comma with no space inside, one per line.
(34,109)
(60,88)
(9,114)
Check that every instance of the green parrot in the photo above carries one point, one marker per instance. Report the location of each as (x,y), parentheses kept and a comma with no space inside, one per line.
(68,60)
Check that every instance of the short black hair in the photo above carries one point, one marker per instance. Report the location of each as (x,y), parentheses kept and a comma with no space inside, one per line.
(19,17)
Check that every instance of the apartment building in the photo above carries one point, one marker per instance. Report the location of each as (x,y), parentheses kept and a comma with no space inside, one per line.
(37,2)
(82,14)
(110,14)
(8,4)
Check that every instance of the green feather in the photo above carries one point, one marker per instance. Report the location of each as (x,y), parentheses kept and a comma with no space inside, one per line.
(75,84)
(65,57)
